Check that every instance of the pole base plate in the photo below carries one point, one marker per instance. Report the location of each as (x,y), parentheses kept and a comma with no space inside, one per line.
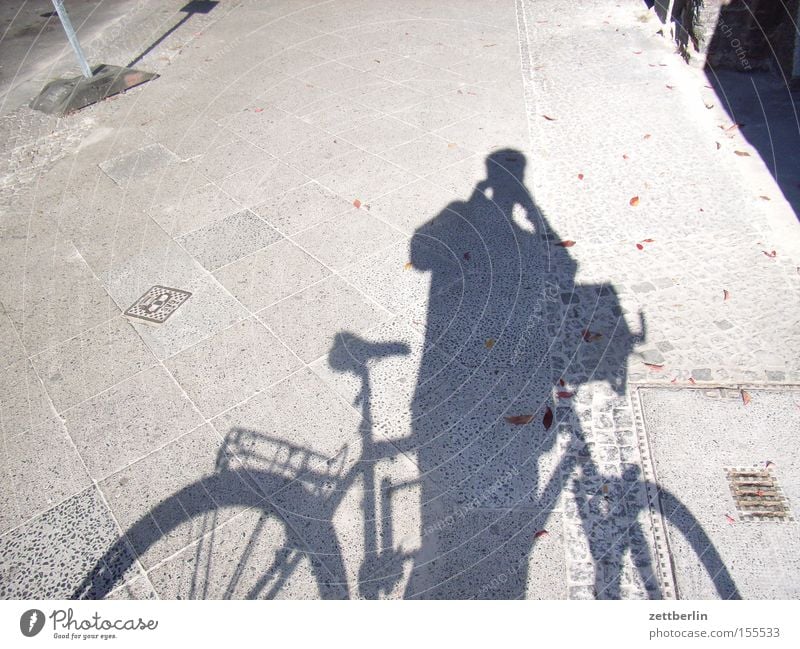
(64,96)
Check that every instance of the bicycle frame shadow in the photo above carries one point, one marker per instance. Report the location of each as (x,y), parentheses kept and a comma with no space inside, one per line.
(494,428)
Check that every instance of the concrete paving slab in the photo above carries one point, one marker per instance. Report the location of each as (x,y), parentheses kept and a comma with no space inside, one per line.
(309,321)
(42,469)
(49,556)
(150,159)
(231,366)
(694,434)
(92,362)
(302,207)
(347,238)
(24,403)
(129,420)
(229,239)
(270,275)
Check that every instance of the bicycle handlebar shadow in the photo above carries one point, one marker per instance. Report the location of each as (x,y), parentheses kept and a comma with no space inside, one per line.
(506,325)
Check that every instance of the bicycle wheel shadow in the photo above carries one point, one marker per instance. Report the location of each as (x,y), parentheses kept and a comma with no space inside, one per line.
(475,437)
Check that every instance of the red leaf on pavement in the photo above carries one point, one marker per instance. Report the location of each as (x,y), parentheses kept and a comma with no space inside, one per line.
(519,420)
(692,381)
(580,176)
(547,420)
(746,399)
(648,240)
(566,244)
(655,367)
(770,254)
(564,395)
(356,203)
(640,246)
(590,336)
(730,519)
(561,382)
(634,201)
(258,110)
(625,156)
(540,534)
(725,294)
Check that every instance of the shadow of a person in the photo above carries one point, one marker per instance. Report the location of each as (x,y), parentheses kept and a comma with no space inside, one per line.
(505,323)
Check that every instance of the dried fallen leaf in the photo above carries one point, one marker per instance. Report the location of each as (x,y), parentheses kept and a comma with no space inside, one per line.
(719,146)
(692,381)
(732,127)
(764,198)
(655,366)
(634,201)
(580,176)
(548,118)
(489,343)
(408,266)
(647,136)
(565,395)
(725,294)
(769,464)
(746,399)
(743,154)
(625,156)
(566,244)
(771,254)
(540,534)
(547,420)
(590,336)
(670,87)
(356,203)
(519,420)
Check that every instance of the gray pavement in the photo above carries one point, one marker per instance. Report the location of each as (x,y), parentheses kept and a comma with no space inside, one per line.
(453,279)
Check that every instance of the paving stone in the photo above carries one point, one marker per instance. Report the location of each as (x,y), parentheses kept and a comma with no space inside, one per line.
(24,403)
(365,177)
(229,239)
(231,366)
(309,321)
(270,275)
(50,556)
(148,160)
(129,420)
(91,362)
(347,238)
(302,207)
(41,469)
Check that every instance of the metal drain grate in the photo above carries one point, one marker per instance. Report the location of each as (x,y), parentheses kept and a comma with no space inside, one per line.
(757,495)
(158,304)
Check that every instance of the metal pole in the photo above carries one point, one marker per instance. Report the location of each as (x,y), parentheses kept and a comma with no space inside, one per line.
(72,37)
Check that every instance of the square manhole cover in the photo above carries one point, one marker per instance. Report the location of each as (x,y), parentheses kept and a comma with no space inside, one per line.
(727,472)
(757,495)
(158,304)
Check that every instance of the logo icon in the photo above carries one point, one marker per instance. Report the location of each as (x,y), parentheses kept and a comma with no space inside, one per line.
(31,622)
